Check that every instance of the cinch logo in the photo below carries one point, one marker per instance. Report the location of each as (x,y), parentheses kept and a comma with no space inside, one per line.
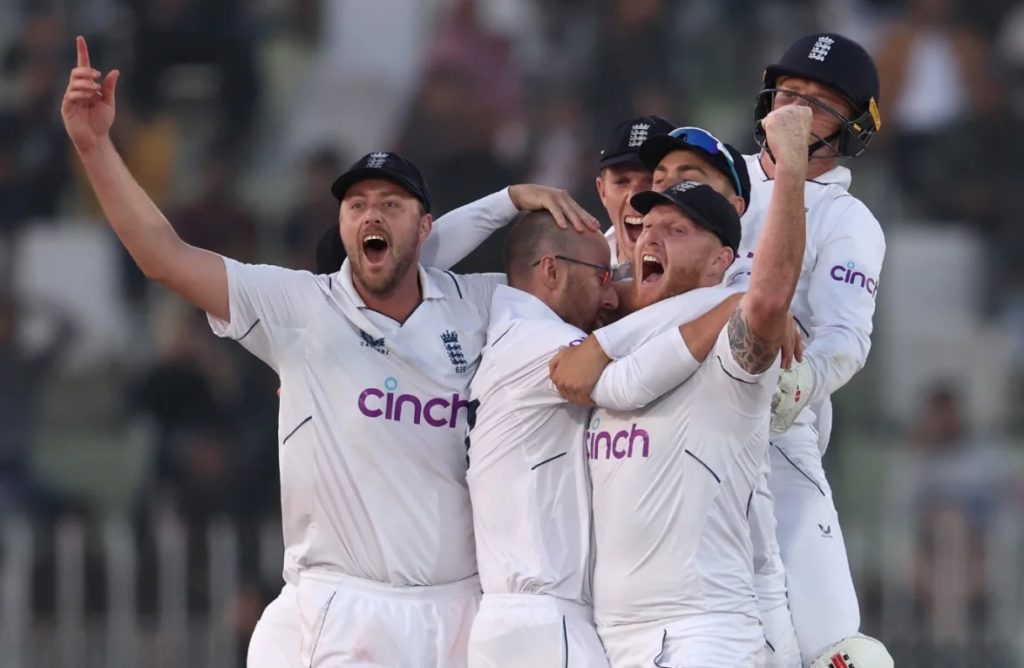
(620,445)
(436,412)
(846,274)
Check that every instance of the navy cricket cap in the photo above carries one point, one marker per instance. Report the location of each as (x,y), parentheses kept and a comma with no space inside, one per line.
(723,157)
(624,143)
(384,165)
(702,204)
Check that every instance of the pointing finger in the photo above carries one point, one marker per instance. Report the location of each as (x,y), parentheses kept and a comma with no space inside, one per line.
(83,51)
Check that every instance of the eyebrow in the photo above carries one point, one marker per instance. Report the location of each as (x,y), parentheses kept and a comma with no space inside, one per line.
(386,191)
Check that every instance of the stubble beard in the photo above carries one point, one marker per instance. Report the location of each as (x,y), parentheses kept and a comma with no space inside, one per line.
(383,284)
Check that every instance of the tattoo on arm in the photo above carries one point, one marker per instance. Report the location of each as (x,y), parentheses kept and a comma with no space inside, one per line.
(753,353)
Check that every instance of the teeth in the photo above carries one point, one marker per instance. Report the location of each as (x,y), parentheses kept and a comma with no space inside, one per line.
(633,220)
(651,258)
(373,237)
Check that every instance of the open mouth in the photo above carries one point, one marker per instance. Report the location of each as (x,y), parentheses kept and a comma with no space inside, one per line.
(375,247)
(633,226)
(651,269)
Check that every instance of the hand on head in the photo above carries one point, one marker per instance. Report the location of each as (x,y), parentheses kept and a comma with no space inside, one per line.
(559,203)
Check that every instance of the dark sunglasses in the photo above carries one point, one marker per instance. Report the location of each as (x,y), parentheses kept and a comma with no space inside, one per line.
(606,271)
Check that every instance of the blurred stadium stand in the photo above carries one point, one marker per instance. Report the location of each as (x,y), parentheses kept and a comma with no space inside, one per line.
(138,468)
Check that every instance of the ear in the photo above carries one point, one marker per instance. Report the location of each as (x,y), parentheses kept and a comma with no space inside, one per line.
(738,204)
(426,225)
(599,182)
(548,272)
(723,260)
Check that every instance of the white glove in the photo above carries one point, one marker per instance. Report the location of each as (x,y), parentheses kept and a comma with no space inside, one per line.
(791,394)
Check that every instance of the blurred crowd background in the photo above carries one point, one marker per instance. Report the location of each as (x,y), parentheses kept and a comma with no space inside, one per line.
(138,468)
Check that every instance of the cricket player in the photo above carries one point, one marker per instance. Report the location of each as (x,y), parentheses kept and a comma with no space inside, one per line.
(834,304)
(622,175)
(691,153)
(527,474)
(673,579)
(528,477)
(376,359)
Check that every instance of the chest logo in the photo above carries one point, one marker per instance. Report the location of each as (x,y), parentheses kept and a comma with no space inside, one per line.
(450,339)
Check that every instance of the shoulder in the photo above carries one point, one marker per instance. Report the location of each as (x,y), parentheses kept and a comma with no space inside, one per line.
(837,212)
(450,284)
(516,337)
(269,273)
(463,286)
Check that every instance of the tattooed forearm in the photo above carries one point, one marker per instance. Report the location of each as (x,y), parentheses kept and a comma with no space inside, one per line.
(753,353)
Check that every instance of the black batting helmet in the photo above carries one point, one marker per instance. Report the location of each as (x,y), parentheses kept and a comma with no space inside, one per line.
(837,62)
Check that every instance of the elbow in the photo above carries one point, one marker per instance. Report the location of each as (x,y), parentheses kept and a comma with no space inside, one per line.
(152,273)
(767,307)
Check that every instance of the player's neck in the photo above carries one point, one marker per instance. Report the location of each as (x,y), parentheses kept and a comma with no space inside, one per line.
(815,168)
(400,302)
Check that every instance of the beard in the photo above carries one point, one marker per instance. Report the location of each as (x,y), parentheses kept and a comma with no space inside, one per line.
(579,310)
(381,283)
(676,281)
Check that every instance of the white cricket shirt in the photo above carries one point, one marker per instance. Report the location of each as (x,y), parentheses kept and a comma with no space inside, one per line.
(373,418)
(613,243)
(835,295)
(671,486)
(527,475)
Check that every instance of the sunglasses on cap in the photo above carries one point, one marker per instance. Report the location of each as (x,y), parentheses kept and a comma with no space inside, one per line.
(604,271)
(711,145)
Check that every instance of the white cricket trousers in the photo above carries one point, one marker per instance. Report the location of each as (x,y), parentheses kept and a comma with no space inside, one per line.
(348,621)
(822,599)
(275,640)
(781,649)
(712,640)
(531,630)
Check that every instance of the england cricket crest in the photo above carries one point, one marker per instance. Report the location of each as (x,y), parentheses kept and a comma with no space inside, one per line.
(450,339)
(821,48)
(377,160)
(638,134)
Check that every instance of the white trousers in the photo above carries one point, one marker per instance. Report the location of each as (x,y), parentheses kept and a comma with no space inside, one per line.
(347,621)
(822,599)
(275,640)
(530,630)
(713,640)
(781,649)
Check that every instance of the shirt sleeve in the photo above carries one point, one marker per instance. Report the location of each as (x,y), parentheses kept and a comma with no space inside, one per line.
(268,307)
(629,333)
(749,393)
(841,297)
(458,233)
(644,375)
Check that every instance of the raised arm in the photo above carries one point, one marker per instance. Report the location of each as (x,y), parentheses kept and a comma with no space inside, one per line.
(459,232)
(757,328)
(88,110)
